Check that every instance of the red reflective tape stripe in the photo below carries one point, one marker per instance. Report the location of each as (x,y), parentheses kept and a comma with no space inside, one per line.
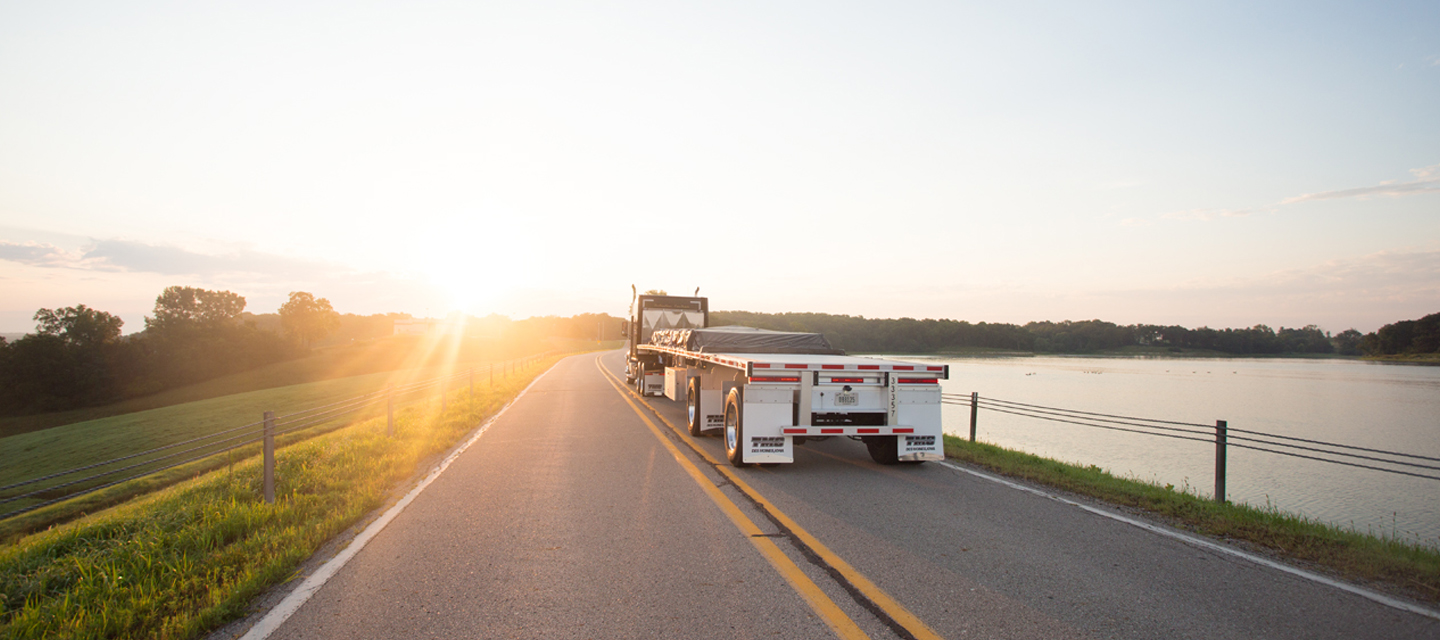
(867,431)
(796,431)
(796,366)
(774,379)
(845,380)
(917,381)
(832,431)
(868,367)
(832,366)
(904,367)
(904,431)
(761,365)
(934,368)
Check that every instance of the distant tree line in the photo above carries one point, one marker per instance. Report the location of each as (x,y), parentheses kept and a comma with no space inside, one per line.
(1407,337)
(907,335)
(77,356)
(902,335)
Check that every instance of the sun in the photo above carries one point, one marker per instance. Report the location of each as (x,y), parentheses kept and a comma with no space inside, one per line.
(464,286)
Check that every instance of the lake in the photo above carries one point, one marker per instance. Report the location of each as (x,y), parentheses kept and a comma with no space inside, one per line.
(1380,406)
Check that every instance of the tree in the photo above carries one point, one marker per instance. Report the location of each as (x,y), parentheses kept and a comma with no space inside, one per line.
(187,309)
(307,318)
(79,325)
(1406,336)
(67,363)
(656,292)
(1347,342)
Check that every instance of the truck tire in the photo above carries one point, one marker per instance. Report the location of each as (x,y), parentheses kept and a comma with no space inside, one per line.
(692,401)
(734,430)
(884,449)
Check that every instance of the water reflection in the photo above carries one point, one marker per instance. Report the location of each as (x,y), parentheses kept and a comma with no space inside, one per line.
(1382,406)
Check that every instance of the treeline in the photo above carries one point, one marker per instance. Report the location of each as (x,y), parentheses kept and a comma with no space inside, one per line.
(908,335)
(902,335)
(1407,337)
(78,357)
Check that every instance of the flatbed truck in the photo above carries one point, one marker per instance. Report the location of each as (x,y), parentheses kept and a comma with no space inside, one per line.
(767,392)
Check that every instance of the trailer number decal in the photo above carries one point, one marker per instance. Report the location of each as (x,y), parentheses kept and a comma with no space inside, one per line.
(919,443)
(847,399)
(764,444)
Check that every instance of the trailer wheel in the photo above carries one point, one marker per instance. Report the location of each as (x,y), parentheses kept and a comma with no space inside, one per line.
(734,430)
(692,400)
(640,381)
(884,449)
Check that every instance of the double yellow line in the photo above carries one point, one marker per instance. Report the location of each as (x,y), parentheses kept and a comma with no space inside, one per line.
(823,606)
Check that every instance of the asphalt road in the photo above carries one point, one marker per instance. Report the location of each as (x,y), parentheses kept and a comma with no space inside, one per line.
(572,518)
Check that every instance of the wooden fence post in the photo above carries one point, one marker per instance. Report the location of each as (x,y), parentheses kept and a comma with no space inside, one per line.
(269,457)
(1221,429)
(974,412)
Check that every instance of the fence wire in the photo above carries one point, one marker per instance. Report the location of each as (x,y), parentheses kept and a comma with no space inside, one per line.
(241,436)
(1273,443)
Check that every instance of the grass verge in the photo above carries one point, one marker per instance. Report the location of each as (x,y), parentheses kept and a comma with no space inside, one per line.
(183,561)
(37,454)
(1404,566)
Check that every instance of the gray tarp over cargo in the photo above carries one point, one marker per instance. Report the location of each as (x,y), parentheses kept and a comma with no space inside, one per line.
(743,340)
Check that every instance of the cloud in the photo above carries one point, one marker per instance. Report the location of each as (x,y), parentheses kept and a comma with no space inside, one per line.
(138,257)
(1204,215)
(1359,291)
(132,256)
(1427,181)
(35,254)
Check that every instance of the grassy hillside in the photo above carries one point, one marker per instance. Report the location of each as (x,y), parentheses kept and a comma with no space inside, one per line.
(40,453)
(180,562)
(374,356)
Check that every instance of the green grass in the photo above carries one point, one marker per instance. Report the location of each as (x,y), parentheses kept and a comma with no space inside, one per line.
(331,363)
(185,560)
(39,453)
(1406,566)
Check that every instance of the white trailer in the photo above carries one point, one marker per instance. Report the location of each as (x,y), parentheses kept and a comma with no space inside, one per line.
(767,403)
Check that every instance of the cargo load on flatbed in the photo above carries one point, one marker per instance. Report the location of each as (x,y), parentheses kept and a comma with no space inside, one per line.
(736,339)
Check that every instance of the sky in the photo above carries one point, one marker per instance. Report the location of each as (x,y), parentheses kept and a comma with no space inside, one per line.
(1195,163)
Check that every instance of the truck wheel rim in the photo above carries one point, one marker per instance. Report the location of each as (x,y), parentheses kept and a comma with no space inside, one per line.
(691,412)
(730,435)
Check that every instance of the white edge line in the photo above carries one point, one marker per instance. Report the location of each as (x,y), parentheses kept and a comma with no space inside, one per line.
(1201,542)
(297,598)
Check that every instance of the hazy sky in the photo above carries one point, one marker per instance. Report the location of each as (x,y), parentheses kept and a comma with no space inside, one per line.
(1206,163)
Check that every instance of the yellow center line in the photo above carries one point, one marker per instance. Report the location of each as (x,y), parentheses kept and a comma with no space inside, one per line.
(889,605)
(823,606)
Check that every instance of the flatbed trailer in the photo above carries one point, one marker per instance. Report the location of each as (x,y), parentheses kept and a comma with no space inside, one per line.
(767,403)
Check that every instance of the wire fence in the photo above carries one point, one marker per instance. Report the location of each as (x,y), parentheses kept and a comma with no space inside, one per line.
(1220,434)
(36,493)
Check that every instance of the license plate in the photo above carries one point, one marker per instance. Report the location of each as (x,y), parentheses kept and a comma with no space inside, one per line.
(847,399)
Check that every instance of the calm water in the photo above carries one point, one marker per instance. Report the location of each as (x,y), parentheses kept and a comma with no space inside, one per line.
(1390,407)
